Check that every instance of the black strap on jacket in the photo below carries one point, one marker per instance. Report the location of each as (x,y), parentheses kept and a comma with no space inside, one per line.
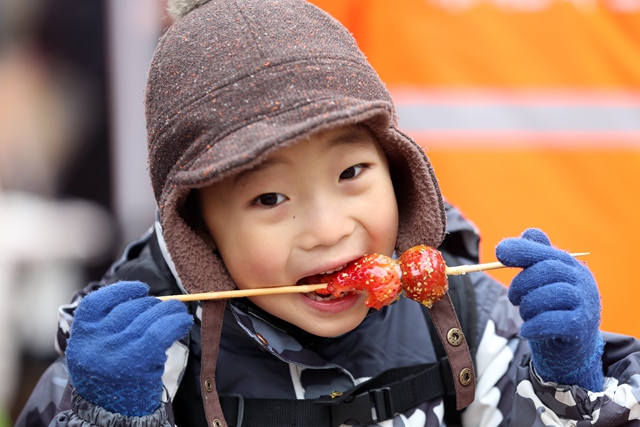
(388,394)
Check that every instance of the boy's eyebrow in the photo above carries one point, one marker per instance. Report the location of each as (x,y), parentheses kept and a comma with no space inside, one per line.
(246,175)
(352,136)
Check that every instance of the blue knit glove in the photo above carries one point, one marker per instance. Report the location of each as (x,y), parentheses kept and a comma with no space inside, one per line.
(117,348)
(560,305)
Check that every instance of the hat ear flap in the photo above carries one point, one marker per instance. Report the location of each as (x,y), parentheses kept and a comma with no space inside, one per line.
(193,216)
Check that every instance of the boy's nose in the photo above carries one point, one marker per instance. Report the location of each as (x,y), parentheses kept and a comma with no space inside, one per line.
(325,225)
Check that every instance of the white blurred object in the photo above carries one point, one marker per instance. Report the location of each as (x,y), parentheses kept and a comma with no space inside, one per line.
(34,229)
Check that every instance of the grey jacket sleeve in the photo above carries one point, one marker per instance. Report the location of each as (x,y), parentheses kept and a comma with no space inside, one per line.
(51,395)
(552,404)
(86,414)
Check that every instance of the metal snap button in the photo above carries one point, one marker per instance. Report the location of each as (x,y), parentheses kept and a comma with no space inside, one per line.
(455,337)
(466,376)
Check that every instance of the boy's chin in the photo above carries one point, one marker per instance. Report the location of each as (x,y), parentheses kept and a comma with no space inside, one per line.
(333,334)
(331,329)
(299,319)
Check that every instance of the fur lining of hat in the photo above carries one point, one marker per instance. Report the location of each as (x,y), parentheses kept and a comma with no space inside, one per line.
(179,8)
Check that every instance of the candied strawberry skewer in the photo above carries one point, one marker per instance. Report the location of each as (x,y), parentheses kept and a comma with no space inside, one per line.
(424,275)
(384,288)
(378,275)
(420,272)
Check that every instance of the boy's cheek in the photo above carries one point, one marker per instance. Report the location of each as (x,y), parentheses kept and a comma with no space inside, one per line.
(256,268)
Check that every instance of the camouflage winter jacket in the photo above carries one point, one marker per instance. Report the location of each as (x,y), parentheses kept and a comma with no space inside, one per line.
(260,357)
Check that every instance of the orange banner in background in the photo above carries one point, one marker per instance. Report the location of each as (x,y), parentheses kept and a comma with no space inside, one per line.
(497,43)
(530,112)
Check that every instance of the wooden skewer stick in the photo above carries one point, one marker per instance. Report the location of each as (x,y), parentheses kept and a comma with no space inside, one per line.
(464,269)
(239,293)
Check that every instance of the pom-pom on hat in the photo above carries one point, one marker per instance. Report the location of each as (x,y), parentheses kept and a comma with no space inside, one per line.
(233,80)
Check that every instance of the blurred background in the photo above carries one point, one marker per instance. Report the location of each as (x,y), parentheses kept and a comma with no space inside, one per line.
(73,180)
(528,109)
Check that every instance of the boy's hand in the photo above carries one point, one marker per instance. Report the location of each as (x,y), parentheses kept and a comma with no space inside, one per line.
(116,351)
(560,305)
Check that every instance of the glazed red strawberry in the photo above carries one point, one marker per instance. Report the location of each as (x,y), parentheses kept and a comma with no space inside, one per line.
(376,274)
(424,274)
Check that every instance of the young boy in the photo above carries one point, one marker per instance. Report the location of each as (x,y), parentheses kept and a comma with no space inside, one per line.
(274,157)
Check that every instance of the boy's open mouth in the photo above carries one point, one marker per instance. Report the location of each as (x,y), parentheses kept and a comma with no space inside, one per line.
(325,295)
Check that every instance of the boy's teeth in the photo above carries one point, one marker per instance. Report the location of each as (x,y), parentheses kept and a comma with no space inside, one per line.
(316,297)
(334,270)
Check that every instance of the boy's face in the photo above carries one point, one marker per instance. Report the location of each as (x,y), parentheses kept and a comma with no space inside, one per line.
(308,209)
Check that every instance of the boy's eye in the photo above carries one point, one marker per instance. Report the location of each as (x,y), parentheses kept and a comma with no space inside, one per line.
(352,172)
(269,199)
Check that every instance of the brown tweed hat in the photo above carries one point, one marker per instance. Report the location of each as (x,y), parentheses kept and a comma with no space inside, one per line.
(233,80)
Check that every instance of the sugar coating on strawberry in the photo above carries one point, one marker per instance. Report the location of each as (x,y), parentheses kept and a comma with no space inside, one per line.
(424,275)
(378,275)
